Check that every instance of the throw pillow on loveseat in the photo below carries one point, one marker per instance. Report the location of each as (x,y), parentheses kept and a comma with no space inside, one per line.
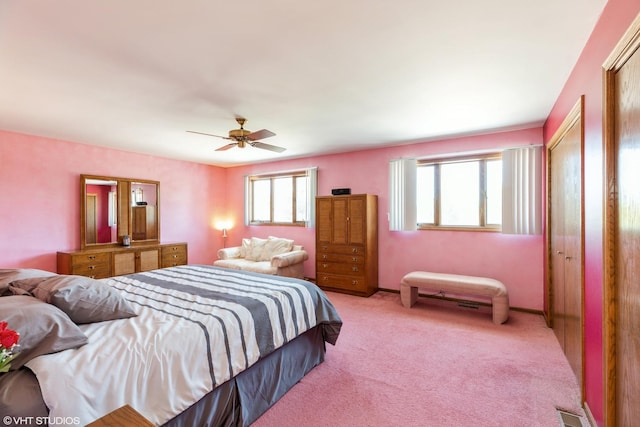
(274,255)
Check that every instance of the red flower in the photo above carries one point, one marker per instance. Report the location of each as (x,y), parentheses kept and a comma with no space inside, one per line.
(8,337)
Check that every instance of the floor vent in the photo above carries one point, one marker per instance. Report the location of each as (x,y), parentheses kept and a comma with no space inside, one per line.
(468,304)
(568,419)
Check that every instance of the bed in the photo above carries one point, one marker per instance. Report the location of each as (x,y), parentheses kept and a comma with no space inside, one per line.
(187,346)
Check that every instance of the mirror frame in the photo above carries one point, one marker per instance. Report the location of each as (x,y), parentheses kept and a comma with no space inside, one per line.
(124,211)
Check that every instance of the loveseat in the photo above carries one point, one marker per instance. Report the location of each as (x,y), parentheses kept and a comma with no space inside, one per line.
(274,255)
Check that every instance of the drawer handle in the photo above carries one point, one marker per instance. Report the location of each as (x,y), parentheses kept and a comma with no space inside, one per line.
(92,277)
(354,282)
(324,257)
(325,278)
(324,265)
(354,250)
(92,257)
(354,268)
(324,248)
(92,267)
(175,256)
(354,259)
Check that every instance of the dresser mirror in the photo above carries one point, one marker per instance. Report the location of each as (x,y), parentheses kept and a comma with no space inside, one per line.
(112,208)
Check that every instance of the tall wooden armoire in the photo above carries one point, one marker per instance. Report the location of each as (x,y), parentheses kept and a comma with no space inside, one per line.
(347,243)
(144,222)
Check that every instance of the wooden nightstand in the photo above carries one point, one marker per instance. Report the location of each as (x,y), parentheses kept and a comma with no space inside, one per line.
(122,417)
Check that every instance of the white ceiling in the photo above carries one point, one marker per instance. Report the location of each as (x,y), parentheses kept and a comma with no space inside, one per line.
(325,76)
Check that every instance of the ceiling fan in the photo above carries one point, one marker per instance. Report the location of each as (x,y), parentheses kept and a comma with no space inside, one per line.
(243,137)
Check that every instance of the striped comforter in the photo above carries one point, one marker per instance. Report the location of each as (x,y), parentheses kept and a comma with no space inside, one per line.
(197,327)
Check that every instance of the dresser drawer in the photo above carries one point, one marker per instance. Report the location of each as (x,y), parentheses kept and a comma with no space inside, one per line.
(80,260)
(93,271)
(96,266)
(340,282)
(341,249)
(173,255)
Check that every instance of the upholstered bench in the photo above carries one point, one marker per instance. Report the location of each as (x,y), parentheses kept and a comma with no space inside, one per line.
(457,284)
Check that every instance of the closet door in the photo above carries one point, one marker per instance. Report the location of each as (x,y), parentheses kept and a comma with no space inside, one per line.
(556,257)
(627,250)
(566,237)
(622,231)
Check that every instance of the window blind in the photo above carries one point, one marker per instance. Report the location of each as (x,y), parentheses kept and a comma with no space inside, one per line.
(522,190)
(402,195)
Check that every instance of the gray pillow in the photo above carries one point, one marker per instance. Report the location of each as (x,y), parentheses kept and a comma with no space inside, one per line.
(43,328)
(9,275)
(20,397)
(83,299)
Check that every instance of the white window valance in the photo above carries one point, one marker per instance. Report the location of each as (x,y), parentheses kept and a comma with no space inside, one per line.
(402,195)
(522,190)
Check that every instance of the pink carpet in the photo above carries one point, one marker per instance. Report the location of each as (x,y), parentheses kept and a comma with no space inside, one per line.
(435,364)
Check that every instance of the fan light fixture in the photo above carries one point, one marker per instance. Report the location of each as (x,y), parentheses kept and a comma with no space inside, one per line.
(242,137)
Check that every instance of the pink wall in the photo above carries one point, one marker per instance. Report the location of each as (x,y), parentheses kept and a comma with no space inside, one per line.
(515,260)
(40,192)
(586,79)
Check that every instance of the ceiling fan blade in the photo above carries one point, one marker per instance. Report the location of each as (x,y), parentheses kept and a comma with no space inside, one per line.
(267,147)
(209,134)
(226,147)
(260,134)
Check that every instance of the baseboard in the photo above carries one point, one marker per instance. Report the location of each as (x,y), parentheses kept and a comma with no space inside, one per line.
(589,414)
(441,296)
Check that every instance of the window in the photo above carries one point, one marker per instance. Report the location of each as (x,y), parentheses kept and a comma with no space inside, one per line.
(281,198)
(460,192)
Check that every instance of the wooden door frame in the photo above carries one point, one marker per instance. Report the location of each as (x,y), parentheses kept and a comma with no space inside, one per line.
(625,48)
(576,113)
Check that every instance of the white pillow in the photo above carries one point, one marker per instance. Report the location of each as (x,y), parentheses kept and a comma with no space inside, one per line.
(246,244)
(276,246)
(256,249)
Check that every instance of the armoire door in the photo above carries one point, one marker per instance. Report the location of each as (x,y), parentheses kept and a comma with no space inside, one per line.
(323,220)
(340,217)
(565,238)
(622,232)
(357,231)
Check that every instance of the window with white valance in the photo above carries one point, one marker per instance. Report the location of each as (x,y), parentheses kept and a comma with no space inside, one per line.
(518,189)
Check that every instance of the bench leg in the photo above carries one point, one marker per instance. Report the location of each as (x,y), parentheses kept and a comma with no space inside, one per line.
(500,309)
(408,295)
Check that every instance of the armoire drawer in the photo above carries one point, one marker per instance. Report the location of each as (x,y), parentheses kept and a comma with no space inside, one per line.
(330,257)
(355,283)
(341,249)
(351,269)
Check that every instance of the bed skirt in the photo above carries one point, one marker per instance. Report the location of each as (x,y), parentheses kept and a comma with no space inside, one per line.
(241,400)
(238,402)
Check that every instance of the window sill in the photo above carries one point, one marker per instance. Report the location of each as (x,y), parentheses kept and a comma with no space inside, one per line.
(458,228)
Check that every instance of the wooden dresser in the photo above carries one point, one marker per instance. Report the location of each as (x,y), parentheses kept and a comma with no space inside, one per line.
(347,243)
(116,261)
